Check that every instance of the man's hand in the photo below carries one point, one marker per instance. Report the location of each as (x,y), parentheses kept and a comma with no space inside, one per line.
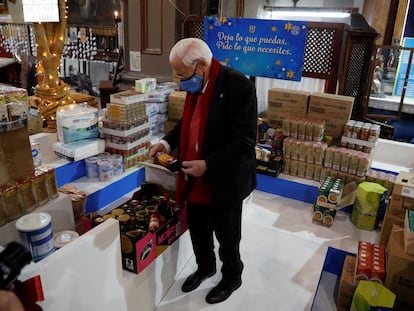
(9,301)
(157,148)
(194,168)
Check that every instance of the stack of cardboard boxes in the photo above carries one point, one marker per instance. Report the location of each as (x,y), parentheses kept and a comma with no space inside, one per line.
(336,110)
(402,199)
(397,235)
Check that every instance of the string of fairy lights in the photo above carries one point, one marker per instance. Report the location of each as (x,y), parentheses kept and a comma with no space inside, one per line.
(18,39)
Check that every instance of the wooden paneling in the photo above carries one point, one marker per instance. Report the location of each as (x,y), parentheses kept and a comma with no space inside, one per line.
(376,14)
(151,26)
(399,21)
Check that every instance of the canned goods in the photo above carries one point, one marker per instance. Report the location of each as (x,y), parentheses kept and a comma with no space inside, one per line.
(11,204)
(40,188)
(36,156)
(27,198)
(16,111)
(301,169)
(106,171)
(286,165)
(117,164)
(310,170)
(323,216)
(348,128)
(329,154)
(117,211)
(51,184)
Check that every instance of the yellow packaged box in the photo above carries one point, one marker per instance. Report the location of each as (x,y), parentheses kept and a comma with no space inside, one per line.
(176,102)
(369,205)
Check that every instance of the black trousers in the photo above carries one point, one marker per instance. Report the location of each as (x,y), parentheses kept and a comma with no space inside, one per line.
(224,220)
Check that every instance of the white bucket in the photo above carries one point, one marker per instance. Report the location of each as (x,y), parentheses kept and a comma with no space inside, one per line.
(91,165)
(36,232)
(117,164)
(106,171)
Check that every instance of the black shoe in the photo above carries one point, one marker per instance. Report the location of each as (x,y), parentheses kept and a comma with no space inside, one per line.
(222,291)
(194,280)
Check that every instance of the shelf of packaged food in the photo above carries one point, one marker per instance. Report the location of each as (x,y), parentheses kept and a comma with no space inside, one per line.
(101,193)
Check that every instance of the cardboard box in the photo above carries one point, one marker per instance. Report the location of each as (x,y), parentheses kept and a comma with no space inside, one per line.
(138,251)
(270,168)
(173,229)
(327,289)
(15,155)
(176,102)
(336,110)
(395,206)
(141,246)
(331,105)
(387,223)
(279,100)
(408,203)
(347,284)
(127,97)
(400,271)
(409,232)
(404,185)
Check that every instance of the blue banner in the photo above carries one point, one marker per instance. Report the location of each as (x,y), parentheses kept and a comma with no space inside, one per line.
(402,71)
(263,48)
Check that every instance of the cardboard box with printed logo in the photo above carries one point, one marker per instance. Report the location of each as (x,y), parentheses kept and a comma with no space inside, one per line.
(282,103)
(336,110)
(404,185)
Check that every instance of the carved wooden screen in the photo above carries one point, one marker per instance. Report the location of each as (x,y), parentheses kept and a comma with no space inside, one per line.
(322,51)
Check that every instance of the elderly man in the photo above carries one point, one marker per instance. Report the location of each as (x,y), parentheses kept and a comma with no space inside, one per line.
(215,139)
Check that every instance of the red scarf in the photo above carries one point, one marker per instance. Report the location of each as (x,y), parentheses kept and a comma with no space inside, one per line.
(198,191)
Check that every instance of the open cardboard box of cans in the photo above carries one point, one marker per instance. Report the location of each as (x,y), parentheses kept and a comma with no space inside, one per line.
(149,222)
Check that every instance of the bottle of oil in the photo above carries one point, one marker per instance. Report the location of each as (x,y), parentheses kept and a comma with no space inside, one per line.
(167,161)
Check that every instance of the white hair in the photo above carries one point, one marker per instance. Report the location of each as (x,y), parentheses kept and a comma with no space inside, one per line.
(189,50)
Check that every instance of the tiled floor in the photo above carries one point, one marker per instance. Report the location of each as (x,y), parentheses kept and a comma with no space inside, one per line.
(283,253)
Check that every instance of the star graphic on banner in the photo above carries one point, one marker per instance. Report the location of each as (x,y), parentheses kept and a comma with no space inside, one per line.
(211,27)
(223,19)
(288,26)
(290,74)
(278,62)
(274,29)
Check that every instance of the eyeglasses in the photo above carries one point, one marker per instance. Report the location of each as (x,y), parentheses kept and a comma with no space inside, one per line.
(183,77)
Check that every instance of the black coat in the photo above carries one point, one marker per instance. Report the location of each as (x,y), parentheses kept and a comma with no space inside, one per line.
(230,137)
